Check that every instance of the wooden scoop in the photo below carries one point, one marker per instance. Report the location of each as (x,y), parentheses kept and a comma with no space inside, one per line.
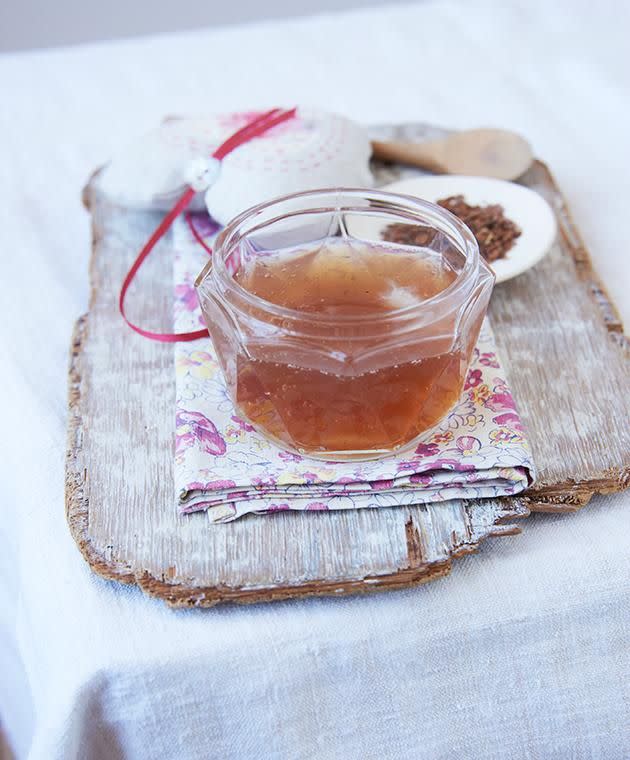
(474,152)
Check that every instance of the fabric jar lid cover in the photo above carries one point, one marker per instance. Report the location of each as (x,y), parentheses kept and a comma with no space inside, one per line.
(315,149)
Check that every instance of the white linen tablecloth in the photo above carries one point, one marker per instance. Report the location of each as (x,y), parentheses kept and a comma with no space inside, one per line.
(523,651)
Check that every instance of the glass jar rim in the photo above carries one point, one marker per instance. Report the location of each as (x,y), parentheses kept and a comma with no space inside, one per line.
(404,206)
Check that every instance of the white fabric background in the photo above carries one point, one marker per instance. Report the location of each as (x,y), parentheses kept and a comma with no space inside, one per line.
(523,651)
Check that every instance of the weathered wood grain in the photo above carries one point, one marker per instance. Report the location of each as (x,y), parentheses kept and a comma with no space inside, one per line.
(567,367)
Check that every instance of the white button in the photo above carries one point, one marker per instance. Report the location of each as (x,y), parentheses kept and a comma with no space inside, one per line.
(202,172)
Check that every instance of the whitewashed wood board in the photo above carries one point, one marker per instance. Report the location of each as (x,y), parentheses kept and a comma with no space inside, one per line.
(567,359)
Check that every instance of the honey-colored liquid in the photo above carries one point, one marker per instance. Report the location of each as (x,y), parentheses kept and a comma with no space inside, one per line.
(358,407)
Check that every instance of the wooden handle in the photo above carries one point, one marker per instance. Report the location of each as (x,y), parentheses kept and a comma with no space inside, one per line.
(422,155)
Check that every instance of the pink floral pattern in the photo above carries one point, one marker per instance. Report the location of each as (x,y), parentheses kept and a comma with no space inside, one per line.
(210,485)
(194,428)
(223,466)
(427,449)
(489,359)
(473,379)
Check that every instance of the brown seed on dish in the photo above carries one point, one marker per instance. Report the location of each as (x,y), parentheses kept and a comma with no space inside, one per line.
(495,233)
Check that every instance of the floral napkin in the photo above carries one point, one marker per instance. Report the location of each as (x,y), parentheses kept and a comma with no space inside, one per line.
(222,465)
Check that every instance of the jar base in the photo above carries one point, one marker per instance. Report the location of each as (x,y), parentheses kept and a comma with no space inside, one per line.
(365,455)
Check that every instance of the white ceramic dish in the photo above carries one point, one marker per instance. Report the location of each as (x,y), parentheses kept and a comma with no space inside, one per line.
(523,206)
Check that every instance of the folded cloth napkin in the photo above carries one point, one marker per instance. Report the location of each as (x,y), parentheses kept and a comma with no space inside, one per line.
(224,466)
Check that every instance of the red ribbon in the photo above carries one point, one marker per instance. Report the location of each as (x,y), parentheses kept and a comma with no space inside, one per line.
(258,126)
(196,234)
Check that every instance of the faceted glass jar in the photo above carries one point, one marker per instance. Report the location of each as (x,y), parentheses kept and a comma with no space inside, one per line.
(334,343)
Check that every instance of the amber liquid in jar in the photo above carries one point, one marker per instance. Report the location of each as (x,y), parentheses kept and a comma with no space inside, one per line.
(363,407)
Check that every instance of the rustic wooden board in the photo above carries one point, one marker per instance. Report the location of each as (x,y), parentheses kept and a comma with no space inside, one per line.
(567,358)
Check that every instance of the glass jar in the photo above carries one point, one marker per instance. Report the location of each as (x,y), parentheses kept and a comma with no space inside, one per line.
(334,343)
